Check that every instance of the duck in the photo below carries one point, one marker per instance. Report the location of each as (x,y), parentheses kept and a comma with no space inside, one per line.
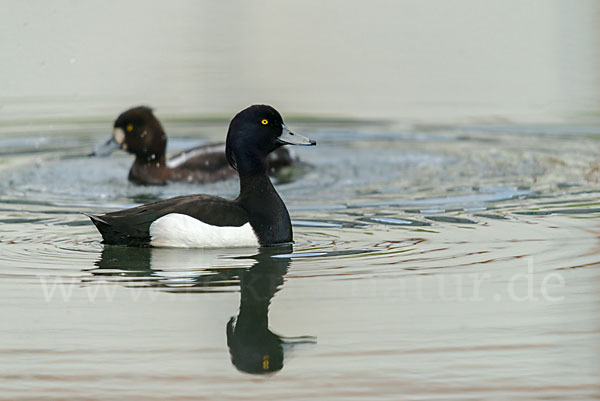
(138,131)
(257,217)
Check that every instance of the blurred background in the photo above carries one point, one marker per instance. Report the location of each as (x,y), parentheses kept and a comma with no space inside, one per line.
(450,61)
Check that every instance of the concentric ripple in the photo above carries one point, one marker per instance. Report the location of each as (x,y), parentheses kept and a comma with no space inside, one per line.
(426,261)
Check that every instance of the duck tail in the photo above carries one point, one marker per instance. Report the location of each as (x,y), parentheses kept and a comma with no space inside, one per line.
(111,235)
(102,225)
(95,218)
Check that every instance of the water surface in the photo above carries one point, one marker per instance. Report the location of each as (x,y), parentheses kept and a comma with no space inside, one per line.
(447,232)
(454,262)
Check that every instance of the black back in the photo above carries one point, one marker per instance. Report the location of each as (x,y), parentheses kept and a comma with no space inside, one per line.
(132,226)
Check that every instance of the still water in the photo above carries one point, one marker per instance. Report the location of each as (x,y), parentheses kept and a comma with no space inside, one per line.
(454,262)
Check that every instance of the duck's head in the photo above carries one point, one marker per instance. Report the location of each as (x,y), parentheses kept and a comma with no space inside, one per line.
(254,349)
(137,131)
(254,133)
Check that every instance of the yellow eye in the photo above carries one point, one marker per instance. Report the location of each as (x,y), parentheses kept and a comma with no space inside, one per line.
(129,128)
(264,122)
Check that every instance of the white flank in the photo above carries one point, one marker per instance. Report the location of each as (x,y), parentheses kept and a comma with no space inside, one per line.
(182,231)
(190,154)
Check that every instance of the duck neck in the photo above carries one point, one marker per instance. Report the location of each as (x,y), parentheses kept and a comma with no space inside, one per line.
(157,159)
(266,211)
(149,170)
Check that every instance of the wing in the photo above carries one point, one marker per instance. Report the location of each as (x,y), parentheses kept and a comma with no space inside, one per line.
(206,158)
(211,158)
(132,226)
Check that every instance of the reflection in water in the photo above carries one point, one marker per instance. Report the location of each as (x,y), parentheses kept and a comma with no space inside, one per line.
(172,270)
(252,346)
(133,261)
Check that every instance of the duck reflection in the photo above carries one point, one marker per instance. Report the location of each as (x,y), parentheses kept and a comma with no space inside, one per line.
(171,270)
(130,261)
(253,347)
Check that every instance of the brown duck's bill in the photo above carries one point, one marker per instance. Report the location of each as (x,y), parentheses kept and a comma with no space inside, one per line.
(114,143)
(287,137)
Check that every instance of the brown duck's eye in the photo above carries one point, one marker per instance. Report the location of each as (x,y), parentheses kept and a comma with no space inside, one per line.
(264,121)
(129,127)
